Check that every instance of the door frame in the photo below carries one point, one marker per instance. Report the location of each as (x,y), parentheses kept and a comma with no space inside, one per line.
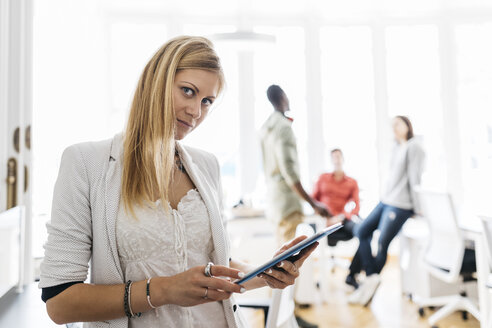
(16,44)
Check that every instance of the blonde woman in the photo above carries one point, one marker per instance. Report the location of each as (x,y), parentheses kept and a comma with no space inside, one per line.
(146,212)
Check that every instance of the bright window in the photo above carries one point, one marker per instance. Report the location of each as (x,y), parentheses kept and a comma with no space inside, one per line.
(129,52)
(414,90)
(474,61)
(348,105)
(219,134)
(285,65)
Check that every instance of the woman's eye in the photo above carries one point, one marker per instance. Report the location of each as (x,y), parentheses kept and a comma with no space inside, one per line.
(187,91)
(207,101)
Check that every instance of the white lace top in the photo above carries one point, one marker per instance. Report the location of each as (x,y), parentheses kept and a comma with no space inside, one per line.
(164,245)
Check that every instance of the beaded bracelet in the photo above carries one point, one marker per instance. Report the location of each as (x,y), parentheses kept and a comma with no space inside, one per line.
(148,294)
(127,301)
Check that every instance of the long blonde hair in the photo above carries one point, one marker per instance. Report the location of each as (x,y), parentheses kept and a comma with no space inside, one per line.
(149,142)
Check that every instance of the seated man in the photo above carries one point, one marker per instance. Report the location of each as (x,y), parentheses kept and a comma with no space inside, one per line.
(336,190)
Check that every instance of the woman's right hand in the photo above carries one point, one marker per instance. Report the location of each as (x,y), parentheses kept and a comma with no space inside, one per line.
(189,288)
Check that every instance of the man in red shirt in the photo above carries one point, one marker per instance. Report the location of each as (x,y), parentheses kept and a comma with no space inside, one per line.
(336,190)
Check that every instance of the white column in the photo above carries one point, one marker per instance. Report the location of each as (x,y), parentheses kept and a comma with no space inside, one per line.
(4,83)
(26,85)
(248,147)
(15,101)
(383,136)
(452,139)
(314,101)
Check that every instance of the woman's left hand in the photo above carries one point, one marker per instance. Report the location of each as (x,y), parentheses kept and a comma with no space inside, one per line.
(285,273)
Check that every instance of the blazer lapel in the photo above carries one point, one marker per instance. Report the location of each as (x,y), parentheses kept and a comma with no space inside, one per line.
(206,192)
(112,198)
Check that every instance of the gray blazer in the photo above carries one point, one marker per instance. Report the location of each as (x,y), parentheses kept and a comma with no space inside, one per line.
(85,207)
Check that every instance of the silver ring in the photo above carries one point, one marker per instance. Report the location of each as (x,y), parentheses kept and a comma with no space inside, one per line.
(208,267)
(206,293)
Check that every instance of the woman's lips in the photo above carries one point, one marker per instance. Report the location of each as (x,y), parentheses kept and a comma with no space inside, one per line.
(186,124)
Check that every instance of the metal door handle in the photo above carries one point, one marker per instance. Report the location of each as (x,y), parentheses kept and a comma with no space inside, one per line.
(11,183)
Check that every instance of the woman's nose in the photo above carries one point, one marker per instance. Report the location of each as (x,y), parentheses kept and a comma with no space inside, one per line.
(195,109)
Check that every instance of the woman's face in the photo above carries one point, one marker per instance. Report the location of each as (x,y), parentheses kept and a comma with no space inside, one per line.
(194,92)
(400,129)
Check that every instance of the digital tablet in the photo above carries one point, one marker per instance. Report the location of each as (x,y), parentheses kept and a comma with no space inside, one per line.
(291,252)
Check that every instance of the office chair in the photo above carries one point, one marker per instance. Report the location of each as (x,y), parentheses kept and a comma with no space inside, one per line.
(487,230)
(327,260)
(279,309)
(281,313)
(446,257)
(306,285)
(333,240)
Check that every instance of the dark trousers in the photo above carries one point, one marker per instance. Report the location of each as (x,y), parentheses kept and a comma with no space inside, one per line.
(343,234)
(388,220)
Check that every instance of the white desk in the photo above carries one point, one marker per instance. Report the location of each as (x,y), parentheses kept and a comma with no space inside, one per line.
(473,230)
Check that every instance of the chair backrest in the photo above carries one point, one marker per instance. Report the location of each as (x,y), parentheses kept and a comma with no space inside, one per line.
(446,248)
(305,283)
(281,311)
(487,231)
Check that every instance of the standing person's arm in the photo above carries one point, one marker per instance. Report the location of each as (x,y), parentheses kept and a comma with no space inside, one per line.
(286,154)
(316,190)
(415,168)
(318,207)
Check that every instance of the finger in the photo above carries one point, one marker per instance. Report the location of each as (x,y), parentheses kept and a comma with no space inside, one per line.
(217,295)
(288,267)
(222,284)
(223,271)
(272,282)
(309,249)
(291,243)
(283,276)
(200,292)
(304,254)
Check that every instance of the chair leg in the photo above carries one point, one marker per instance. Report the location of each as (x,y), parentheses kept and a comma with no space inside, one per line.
(445,311)
(434,301)
(471,308)
(459,303)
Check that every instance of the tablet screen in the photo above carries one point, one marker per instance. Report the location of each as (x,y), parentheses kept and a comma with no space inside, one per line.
(290,252)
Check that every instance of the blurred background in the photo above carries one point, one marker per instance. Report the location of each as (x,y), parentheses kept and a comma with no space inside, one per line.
(348,68)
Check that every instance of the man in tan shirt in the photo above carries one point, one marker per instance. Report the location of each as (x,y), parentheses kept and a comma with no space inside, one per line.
(281,166)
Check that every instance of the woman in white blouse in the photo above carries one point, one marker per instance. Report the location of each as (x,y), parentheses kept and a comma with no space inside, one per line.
(146,212)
